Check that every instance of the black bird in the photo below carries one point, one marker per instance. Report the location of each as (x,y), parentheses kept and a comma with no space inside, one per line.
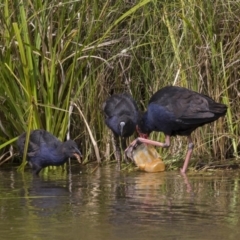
(177,111)
(44,150)
(121,116)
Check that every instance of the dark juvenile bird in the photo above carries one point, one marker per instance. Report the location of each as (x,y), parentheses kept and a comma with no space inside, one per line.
(121,116)
(177,111)
(44,150)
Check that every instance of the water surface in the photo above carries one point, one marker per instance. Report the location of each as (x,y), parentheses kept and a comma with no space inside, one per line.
(108,204)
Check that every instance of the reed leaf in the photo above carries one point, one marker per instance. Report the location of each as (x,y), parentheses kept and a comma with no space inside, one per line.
(54,53)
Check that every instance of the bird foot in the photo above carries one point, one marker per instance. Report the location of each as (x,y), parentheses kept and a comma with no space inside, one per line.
(129,150)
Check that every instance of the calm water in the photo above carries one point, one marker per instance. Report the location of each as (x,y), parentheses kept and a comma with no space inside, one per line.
(112,205)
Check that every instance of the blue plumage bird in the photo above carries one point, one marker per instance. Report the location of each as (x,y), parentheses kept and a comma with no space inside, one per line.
(44,150)
(121,116)
(177,111)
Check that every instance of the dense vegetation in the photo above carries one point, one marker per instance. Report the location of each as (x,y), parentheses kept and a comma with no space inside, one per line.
(61,59)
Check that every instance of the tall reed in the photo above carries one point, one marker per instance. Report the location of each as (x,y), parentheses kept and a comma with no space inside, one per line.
(54,53)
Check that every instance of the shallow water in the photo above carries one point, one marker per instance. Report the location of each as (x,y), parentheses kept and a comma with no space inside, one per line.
(118,205)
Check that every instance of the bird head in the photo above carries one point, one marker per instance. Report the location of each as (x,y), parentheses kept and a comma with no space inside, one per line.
(126,128)
(142,135)
(142,127)
(70,149)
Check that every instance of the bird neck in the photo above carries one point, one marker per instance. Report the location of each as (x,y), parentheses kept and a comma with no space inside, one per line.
(143,126)
(142,135)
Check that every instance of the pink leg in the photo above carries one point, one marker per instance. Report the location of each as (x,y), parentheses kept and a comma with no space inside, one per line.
(188,156)
(185,178)
(129,149)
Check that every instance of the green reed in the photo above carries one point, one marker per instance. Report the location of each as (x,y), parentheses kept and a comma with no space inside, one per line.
(57,53)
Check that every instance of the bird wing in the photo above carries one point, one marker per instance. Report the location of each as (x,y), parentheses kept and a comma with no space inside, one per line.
(33,149)
(109,106)
(38,138)
(120,104)
(197,109)
(187,106)
(33,146)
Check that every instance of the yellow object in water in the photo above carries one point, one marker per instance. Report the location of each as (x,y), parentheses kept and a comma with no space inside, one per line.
(147,158)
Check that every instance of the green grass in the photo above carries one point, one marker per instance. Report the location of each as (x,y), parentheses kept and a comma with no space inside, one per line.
(57,53)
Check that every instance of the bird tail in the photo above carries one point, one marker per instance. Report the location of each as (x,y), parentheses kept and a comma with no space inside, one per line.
(218,109)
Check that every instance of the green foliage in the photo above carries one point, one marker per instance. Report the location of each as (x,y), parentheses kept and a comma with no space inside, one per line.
(57,53)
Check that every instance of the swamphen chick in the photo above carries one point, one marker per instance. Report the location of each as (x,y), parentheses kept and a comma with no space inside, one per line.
(44,150)
(177,111)
(121,116)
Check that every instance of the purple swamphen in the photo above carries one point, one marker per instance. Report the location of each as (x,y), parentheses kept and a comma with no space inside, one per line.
(44,150)
(176,111)
(121,116)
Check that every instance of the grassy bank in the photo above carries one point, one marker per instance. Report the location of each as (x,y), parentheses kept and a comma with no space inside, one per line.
(55,55)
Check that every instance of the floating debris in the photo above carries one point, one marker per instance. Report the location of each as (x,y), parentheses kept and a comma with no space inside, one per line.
(147,158)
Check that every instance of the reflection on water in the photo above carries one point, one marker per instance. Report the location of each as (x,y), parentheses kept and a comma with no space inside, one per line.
(117,205)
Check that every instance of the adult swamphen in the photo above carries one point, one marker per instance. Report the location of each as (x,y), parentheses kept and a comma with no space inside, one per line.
(44,150)
(121,116)
(177,111)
